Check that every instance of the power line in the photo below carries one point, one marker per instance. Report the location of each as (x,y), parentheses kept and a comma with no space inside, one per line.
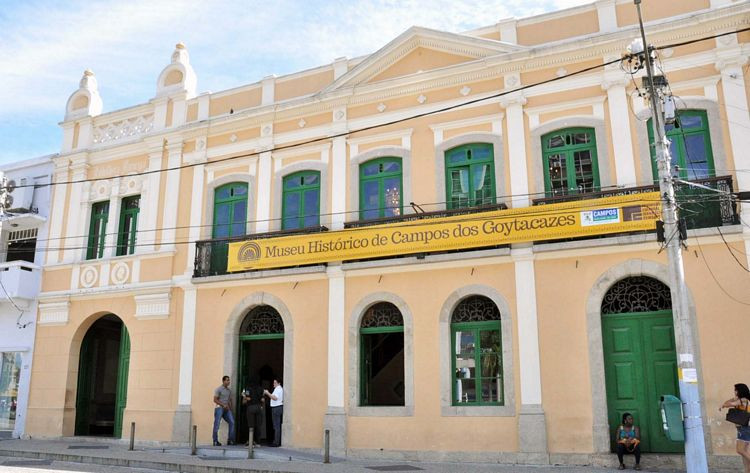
(389,123)
(700,248)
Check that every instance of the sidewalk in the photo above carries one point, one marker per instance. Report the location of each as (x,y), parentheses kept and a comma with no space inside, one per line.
(234,459)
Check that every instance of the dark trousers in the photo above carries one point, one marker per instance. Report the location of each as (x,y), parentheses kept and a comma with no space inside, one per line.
(276,416)
(253,413)
(622,450)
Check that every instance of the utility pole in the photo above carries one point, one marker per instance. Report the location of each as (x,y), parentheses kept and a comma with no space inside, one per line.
(695,446)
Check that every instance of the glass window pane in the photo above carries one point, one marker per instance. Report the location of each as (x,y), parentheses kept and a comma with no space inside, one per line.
(312,207)
(465,390)
(581,138)
(690,121)
(558,173)
(482,184)
(696,160)
(459,187)
(674,152)
(222,193)
(291,210)
(221,220)
(456,156)
(392,190)
(292,182)
(239,190)
(482,153)
(10,374)
(370,169)
(392,166)
(556,141)
(312,179)
(492,389)
(239,218)
(370,204)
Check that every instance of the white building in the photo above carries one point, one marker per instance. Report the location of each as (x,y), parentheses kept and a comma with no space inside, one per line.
(22,227)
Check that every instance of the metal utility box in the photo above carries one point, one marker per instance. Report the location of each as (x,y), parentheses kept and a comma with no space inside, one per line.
(672,417)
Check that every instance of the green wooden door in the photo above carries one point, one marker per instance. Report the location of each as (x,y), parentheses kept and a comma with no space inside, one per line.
(83,395)
(640,365)
(123,367)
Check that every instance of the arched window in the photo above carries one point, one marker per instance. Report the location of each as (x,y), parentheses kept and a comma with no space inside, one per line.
(382,356)
(570,162)
(470,176)
(476,348)
(262,320)
(230,220)
(300,206)
(637,294)
(380,188)
(690,148)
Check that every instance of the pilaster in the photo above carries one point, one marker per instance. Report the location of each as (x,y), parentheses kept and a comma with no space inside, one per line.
(150,200)
(532,431)
(519,177)
(74,238)
(169,218)
(619,118)
(335,417)
(605,10)
(181,425)
(339,170)
(263,208)
(57,211)
(196,207)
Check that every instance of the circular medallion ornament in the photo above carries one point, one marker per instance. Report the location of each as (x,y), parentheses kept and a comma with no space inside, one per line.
(120,273)
(89,275)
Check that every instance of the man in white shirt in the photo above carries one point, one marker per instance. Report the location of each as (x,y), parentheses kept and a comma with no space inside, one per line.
(277,410)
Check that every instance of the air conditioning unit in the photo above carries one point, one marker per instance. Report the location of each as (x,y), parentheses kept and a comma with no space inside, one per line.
(22,197)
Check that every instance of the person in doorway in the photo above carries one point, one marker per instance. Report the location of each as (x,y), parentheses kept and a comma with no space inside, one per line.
(741,400)
(252,398)
(628,438)
(223,410)
(277,410)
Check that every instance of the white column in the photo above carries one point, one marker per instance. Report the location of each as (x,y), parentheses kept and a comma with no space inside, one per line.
(335,418)
(605,10)
(196,212)
(150,203)
(57,212)
(169,218)
(263,206)
(187,347)
(619,119)
(738,119)
(532,425)
(519,177)
(76,228)
(338,183)
(182,416)
(113,222)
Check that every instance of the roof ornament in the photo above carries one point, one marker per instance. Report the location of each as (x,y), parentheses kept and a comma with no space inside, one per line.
(84,102)
(178,77)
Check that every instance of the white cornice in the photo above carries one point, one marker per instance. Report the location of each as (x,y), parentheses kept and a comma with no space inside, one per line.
(558,106)
(391,135)
(498,117)
(301,151)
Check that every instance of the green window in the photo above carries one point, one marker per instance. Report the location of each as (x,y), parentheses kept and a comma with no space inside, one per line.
(382,356)
(470,176)
(97,230)
(300,205)
(690,146)
(570,162)
(380,184)
(476,353)
(128,225)
(230,219)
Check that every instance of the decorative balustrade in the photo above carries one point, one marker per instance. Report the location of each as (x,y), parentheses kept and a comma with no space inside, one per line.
(123,129)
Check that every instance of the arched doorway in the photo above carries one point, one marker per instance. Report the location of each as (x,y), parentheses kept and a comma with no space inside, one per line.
(103,378)
(640,363)
(261,359)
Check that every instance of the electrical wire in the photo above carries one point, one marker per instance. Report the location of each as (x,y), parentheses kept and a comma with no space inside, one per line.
(392,122)
(700,248)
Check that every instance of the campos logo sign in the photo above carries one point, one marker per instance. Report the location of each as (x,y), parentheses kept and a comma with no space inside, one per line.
(600,217)
(249,251)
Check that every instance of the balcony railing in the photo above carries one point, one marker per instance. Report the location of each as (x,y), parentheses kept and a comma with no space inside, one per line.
(701,208)
(20,280)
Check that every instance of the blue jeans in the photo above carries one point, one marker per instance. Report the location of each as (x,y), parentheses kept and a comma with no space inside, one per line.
(220,413)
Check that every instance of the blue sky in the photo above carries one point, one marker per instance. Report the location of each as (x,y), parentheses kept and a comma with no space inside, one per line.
(46,45)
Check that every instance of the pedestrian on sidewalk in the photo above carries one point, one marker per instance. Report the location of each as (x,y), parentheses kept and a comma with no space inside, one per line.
(628,438)
(277,410)
(741,401)
(253,399)
(223,410)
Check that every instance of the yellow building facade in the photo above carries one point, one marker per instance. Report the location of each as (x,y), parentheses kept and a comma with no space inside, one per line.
(513,352)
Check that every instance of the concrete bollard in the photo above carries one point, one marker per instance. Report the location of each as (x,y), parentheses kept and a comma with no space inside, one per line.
(193,440)
(250,452)
(327,447)
(132,436)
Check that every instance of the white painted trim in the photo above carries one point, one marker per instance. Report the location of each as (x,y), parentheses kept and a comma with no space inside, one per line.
(153,306)
(528,331)
(263,205)
(187,347)
(278,185)
(387,136)
(519,177)
(338,183)
(380,152)
(621,136)
(493,119)
(54,313)
(563,106)
(336,341)
(212,185)
(172,189)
